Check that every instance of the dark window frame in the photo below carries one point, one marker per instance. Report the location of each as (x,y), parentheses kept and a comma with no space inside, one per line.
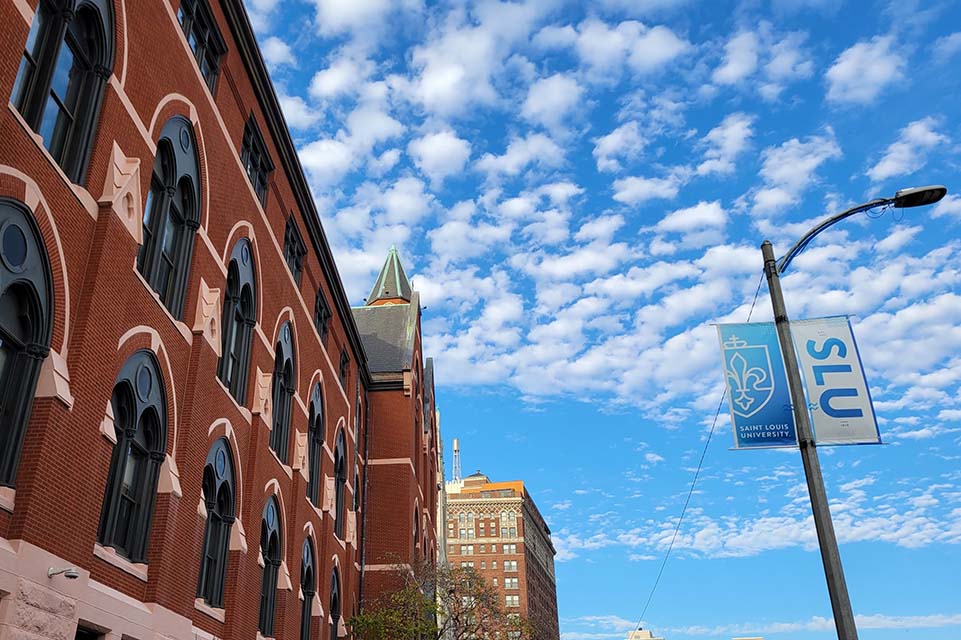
(140,420)
(294,249)
(308,587)
(218,494)
(256,160)
(26,326)
(322,316)
(334,604)
(271,554)
(340,484)
(315,444)
(208,46)
(343,371)
(238,321)
(172,207)
(282,392)
(84,31)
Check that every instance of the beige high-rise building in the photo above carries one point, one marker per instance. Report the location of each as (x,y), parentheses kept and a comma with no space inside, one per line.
(642,634)
(495,528)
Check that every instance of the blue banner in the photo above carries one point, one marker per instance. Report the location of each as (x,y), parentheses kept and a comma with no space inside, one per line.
(757,387)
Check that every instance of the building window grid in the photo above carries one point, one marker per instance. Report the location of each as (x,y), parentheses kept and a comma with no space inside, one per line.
(294,249)
(204,38)
(256,160)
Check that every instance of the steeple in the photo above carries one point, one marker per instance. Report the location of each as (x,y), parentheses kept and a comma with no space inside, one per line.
(392,285)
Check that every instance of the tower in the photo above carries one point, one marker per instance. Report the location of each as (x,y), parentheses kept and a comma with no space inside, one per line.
(455,472)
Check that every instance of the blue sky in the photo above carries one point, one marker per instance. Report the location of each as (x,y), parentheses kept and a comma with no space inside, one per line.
(579,190)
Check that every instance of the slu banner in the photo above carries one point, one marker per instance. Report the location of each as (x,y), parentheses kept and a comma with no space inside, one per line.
(841,409)
(756,386)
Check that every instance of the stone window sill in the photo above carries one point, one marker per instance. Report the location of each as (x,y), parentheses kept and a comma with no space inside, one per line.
(110,556)
(217,614)
(8,497)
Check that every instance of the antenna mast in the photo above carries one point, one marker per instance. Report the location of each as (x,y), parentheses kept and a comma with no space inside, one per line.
(456,470)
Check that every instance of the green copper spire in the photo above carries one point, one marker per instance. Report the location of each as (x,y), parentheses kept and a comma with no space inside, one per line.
(392,283)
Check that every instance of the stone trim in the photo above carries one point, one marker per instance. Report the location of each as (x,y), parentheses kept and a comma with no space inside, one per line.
(218,614)
(110,556)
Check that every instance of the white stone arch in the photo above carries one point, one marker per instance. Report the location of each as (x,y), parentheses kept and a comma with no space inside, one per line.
(244,229)
(287,314)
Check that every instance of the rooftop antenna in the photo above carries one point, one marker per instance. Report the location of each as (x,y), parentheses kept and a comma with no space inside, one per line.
(456,472)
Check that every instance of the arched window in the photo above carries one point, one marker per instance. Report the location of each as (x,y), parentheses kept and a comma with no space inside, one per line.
(315,444)
(271,553)
(239,318)
(282,392)
(322,316)
(67,60)
(334,603)
(356,487)
(307,588)
(171,216)
(218,492)
(26,323)
(416,529)
(340,484)
(140,420)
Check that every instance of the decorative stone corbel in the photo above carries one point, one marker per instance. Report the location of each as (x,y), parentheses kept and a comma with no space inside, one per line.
(202,508)
(317,610)
(300,463)
(283,577)
(238,537)
(329,488)
(261,404)
(169,478)
(121,192)
(107,426)
(207,318)
(54,381)
(352,528)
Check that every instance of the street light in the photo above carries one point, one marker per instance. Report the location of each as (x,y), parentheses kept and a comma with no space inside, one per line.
(830,557)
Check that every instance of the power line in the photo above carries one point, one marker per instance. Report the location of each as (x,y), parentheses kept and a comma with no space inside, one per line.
(697,473)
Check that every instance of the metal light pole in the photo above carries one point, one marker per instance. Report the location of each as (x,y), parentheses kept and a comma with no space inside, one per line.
(827,541)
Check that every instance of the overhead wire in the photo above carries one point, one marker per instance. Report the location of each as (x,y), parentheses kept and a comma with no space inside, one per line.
(697,473)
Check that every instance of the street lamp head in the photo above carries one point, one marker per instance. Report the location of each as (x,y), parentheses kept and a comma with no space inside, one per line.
(919,196)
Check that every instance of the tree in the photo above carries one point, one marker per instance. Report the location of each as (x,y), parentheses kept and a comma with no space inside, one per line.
(444,603)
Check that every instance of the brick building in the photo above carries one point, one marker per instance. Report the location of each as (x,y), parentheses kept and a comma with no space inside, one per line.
(183,388)
(403,451)
(495,528)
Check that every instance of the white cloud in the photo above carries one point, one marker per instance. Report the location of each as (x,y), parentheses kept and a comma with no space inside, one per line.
(740,58)
(696,218)
(344,76)
(624,142)
(909,152)
(277,52)
(635,189)
(654,48)
(536,148)
(789,169)
(551,100)
(946,47)
(605,50)
(788,61)
(725,142)
(297,113)
(653,458)
(440,154)
(949,206)
(327,161)
(340,16)
(864,70)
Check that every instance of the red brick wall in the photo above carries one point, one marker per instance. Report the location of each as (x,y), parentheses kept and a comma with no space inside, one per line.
(65,458)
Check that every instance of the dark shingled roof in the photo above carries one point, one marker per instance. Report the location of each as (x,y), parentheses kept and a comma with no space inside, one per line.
(387,335)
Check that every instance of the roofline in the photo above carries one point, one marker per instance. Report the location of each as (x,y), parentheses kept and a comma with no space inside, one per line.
(249,51)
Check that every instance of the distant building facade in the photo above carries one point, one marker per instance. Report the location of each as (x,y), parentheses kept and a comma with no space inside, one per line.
(642,634)
(495,528)
(404,454)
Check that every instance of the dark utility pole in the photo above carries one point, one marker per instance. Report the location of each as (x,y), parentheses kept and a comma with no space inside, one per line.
(830,557)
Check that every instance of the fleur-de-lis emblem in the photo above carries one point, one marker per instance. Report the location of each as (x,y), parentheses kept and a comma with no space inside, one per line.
(744,379)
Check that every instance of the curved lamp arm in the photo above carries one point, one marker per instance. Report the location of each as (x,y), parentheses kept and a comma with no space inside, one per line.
(903,199)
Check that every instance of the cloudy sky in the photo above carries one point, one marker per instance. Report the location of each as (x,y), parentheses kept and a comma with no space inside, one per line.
(578,190)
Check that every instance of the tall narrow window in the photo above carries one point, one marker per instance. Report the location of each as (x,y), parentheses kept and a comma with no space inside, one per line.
(203,37)
(334,604)
(270,552)
(239,318)
(171,215)
(254,157)
(307,588)
(26,323)
(140,421)
(322,316)
(344,368)
(315,444)
(294,249)
(66,62)
(218,490)
(282,392)
(340,484)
